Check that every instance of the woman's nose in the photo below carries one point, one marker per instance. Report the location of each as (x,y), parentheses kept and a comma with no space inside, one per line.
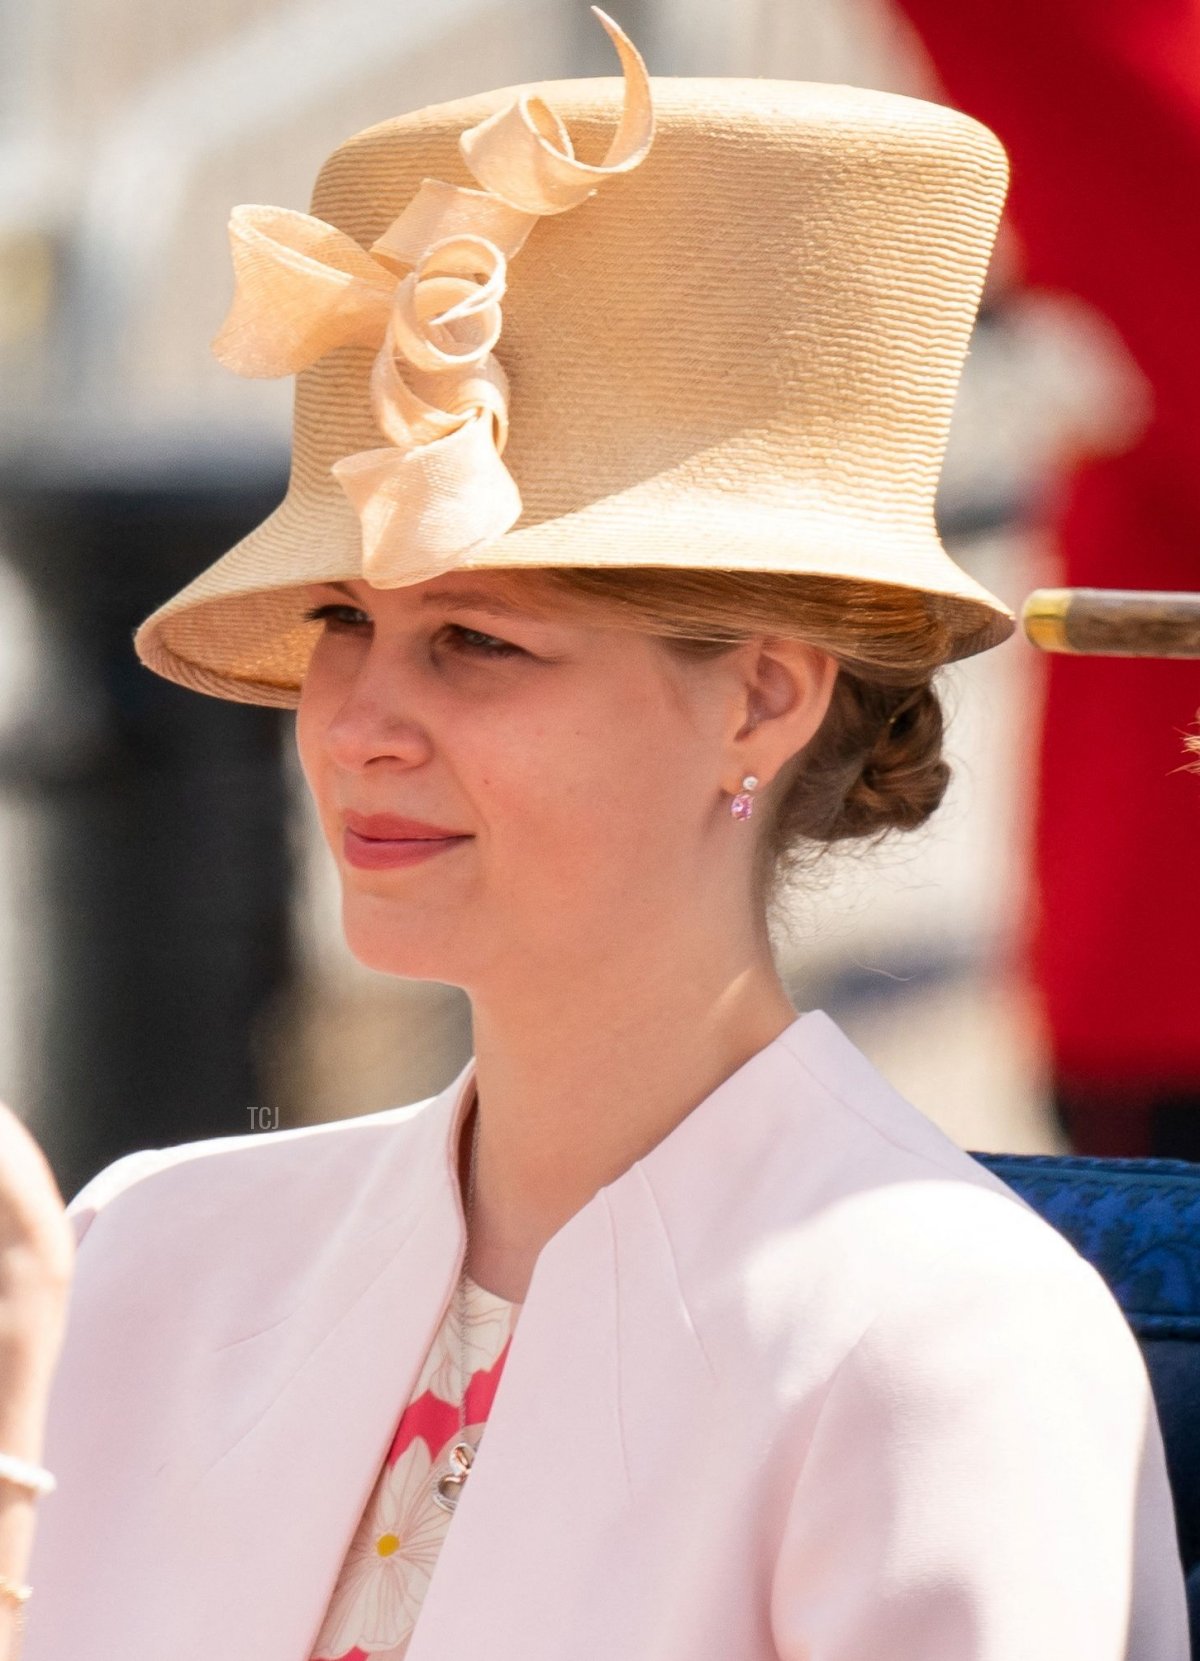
(377,719)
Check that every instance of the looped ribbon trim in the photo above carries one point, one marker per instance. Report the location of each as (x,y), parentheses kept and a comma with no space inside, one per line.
(428,296)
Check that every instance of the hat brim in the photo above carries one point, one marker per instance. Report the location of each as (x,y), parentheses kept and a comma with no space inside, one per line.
(252,645)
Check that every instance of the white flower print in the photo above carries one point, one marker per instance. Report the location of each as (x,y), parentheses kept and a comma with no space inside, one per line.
(391,1559)
(389,1562)
(489,1320)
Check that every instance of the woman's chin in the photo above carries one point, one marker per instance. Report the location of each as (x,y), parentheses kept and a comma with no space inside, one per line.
(406,947)
(386,959)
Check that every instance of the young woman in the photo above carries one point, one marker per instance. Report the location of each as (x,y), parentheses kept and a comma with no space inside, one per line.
(667,1331)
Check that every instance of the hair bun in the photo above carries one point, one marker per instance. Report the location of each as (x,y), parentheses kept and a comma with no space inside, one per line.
(903,776)
(875,765)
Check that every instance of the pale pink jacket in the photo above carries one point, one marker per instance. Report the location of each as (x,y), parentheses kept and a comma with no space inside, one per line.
(805,1382)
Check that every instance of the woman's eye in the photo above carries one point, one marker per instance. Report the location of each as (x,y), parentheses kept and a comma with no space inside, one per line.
(473,642)
(480,644)
(333,615)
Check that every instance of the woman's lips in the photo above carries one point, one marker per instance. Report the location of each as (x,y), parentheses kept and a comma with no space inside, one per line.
(378,841)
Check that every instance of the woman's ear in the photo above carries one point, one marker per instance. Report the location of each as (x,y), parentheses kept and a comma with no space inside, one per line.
(786,688)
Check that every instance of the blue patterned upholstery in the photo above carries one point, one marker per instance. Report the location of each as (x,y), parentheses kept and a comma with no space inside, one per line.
(1138,1222)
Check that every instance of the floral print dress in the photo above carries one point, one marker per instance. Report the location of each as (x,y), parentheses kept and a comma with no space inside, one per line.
(390,1560)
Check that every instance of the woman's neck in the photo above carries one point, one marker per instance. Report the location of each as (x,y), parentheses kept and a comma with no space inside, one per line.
(576,1085)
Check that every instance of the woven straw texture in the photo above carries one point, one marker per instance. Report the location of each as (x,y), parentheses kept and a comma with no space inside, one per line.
(741,354)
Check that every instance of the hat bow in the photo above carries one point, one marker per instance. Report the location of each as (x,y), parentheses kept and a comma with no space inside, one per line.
(427,295)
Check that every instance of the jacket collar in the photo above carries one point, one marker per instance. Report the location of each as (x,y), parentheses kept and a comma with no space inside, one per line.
(548,1386)
(717,1133)
(293,1419)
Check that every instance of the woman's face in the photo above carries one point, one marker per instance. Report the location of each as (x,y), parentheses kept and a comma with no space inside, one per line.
(566,783)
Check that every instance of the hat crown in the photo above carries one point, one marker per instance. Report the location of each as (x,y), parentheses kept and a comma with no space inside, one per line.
(740,353)
(778,299)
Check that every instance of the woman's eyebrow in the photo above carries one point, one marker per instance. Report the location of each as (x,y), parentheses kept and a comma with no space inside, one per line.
(476,599)
(462,597)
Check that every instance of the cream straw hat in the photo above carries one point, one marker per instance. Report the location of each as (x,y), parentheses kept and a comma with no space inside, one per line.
(729,342)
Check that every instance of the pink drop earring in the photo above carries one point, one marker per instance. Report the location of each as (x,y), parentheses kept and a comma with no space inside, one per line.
(742,805)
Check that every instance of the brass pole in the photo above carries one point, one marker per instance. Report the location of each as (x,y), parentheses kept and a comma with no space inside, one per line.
(1113,622)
